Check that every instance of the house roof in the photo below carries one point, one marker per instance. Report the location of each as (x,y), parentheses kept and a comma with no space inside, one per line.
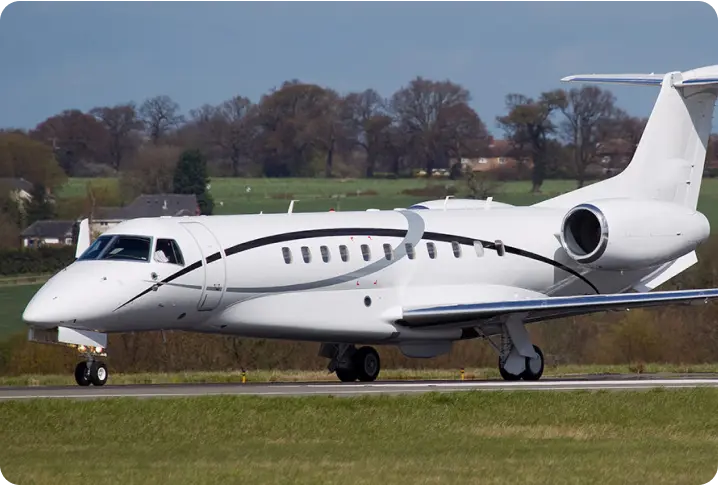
(16,184)
(50,229)
(152,206)
(500,148)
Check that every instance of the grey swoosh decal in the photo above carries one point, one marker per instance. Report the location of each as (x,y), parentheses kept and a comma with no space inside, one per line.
(413,235)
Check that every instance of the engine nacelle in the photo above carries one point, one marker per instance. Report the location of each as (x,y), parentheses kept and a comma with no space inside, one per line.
(626,234)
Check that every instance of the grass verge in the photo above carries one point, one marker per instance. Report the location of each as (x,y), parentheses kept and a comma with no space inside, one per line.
(234,376)
(657,437)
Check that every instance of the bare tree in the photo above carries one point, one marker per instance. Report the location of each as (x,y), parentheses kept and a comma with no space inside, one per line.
(437,119)
(584,111)
(76,139)
(366,122)
(160,115)
(121,123)
(528,125)
(234,131)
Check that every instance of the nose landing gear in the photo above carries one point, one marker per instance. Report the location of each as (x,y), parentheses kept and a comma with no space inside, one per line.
(91,372)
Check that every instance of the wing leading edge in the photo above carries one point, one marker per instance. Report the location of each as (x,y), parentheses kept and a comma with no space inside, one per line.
(551,307)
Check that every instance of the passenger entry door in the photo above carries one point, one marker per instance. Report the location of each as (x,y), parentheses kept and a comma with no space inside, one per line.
(212,264)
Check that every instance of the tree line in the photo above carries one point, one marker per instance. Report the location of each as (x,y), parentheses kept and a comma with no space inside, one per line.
(302,129)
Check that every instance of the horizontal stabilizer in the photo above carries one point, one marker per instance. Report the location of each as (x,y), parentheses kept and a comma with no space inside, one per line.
(666,272)
(555,306)
(645,79)
(697,77)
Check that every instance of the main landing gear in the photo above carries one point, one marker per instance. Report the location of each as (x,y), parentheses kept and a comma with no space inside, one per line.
(518,357)
(350,363)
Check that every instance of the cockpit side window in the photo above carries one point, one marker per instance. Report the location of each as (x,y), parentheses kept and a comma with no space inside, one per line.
(168,251)
(95,249)
(129,248)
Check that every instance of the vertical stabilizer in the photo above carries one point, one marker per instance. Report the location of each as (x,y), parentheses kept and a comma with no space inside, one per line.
(669,160)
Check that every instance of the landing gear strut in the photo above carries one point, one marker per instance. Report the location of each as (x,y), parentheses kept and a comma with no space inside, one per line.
(518,357)
(350,363)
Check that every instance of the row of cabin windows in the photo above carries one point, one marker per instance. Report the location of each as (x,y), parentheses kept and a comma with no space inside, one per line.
(388,251)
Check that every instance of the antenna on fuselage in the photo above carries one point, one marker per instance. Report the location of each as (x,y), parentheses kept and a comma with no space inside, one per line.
(291,206)
(447,200)
(488,203)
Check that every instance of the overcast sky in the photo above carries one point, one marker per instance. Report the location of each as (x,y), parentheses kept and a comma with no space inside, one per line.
(61,55)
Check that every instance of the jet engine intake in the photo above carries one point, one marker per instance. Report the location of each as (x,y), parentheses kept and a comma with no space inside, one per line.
(626,234)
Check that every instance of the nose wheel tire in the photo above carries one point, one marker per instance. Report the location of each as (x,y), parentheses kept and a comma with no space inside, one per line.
(94,373)
(82,374)
(98,373)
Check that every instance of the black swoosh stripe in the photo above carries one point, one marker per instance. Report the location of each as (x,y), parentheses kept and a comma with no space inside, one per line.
(467,241)
(350,231)
(182,272)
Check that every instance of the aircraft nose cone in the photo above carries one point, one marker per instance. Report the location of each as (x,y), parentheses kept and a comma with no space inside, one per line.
(68,299)
(45,310)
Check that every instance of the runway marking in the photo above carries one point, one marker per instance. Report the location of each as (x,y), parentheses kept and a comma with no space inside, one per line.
(346,389)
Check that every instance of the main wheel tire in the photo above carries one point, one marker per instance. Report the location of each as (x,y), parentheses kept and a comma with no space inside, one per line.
(534,367)
(98,374)
(82,374)
(346,375)
(367,364)
(506,375)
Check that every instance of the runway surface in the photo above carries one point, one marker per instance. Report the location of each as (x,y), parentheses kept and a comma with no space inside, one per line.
(613,383)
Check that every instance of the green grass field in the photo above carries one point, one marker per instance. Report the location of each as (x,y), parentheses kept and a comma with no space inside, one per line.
(656,437)
(13,300)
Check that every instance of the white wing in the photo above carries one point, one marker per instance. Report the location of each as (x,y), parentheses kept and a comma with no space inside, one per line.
(550,307)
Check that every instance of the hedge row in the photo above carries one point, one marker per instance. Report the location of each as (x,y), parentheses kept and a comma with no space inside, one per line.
(45,259)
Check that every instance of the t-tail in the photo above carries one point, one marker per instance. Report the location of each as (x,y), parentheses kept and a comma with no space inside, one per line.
(668,162)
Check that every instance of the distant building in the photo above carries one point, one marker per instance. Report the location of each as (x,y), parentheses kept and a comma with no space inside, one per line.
(47,233)
(158,205)
(500,156)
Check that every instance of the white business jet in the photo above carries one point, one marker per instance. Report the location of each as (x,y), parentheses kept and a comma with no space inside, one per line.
(420,278)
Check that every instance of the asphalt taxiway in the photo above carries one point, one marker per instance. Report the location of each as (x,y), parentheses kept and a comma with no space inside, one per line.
(612,383)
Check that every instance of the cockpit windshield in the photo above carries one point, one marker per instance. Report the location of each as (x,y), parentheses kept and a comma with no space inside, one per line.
(127,248)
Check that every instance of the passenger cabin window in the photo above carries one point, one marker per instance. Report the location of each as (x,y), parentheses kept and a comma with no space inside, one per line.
(479,248)
(167,251)
(306,255)
(325,253)
(431,249)
(344,253)
(128,248)
(410,251)
(287,254)
(388,252)
(456,247)
(366,254)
